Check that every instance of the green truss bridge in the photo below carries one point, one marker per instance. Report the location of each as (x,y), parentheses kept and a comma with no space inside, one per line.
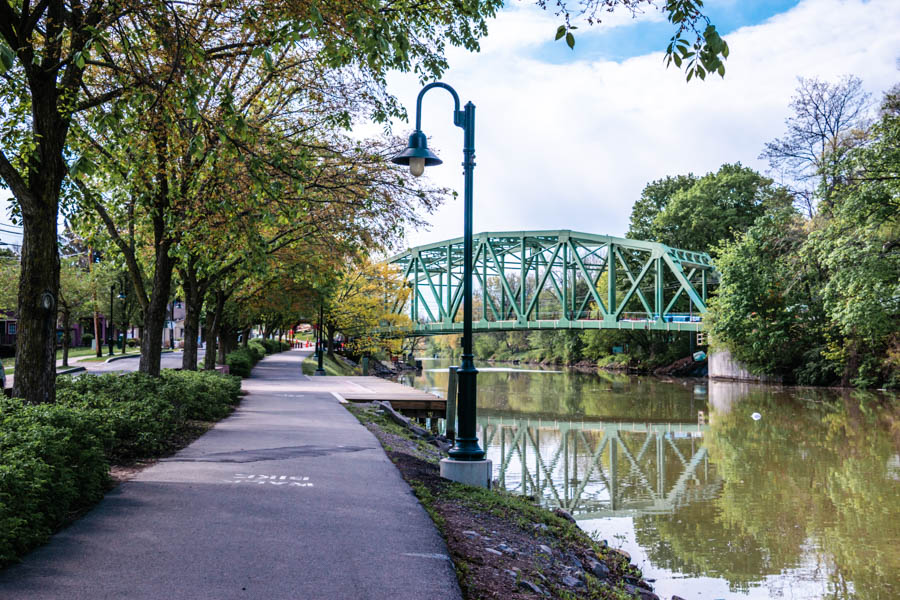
(524,280)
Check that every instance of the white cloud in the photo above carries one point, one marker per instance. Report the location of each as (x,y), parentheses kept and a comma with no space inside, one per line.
(571,146)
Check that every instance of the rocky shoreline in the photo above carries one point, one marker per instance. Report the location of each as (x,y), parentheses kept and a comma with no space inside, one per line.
(502,545)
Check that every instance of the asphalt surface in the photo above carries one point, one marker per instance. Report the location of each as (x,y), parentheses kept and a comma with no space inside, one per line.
(290,497)
(168,360)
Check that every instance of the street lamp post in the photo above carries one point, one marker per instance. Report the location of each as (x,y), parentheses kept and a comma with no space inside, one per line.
(122,297)
(172,327)
(112,320)
(417,157)
(320,341)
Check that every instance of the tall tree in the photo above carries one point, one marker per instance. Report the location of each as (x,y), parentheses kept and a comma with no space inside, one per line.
(44,47)
(828,119)
(59,58)
(655,196)
(75,300)
(700,213)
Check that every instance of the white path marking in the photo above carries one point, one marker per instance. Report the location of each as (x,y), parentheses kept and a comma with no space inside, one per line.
(420,555)
(288,480)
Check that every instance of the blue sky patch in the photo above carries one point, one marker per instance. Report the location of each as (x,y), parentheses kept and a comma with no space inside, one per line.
(645,37)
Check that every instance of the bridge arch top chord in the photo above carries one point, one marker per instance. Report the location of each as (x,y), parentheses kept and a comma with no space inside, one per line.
(554,279)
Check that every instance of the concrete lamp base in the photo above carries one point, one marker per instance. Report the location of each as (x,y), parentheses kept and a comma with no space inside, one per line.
(470,472)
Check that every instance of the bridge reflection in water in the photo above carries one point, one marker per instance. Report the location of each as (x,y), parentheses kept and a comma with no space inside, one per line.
(600,469)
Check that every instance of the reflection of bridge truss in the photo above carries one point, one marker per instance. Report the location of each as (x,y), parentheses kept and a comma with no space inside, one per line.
(556,280)
(598,470)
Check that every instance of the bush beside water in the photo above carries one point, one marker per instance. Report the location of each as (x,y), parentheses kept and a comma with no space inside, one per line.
(54,458)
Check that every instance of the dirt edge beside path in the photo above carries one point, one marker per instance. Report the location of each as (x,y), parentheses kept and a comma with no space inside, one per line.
(503,545)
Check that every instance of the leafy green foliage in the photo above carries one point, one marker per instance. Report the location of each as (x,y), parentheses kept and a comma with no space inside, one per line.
(764,311)
(698,213)
(817,300)
(54,458)
(51,464)
(241,361)
(202,395)
(696,44)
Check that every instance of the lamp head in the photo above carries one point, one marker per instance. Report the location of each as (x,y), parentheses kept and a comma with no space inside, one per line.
(417,155)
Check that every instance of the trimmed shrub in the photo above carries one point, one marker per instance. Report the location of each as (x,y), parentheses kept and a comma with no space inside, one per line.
(142,413)
(52,464)
(53,457)
(257,350)
(240,362)
(86,339)
(203,395)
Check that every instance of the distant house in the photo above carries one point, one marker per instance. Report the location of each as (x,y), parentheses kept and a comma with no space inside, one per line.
(8,331)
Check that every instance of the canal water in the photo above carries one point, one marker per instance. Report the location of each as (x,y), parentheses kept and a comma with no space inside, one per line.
(716,490)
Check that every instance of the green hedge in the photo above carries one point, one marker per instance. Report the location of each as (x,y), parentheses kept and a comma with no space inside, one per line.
(241,361)
(54,458)
(52,464)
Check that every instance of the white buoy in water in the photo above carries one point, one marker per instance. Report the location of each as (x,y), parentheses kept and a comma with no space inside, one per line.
(756,416)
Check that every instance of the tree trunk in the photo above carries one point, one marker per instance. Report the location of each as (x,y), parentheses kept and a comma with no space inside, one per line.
(212,332)
(194,294)
(35,379)
(227,341)
(329,335)
(209,359)
(155,319)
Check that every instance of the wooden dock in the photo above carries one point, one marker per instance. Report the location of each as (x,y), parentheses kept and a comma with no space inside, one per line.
(404,399)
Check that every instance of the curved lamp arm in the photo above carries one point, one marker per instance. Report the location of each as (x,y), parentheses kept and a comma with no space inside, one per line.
(457,114)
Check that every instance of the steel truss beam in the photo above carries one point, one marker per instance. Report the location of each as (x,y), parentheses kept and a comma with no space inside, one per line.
(555,280)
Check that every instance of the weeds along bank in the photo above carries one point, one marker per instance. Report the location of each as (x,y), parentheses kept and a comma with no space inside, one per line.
(55,458)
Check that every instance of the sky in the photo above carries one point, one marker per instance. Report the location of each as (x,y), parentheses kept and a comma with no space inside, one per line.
(567,139)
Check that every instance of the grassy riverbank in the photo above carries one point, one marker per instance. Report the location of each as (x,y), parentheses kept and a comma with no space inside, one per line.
(332,366)
(503,545)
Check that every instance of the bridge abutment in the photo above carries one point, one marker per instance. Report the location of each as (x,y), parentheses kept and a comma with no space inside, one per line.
(724,366)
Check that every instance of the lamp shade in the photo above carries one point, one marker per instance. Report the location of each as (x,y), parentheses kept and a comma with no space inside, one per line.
(417,149)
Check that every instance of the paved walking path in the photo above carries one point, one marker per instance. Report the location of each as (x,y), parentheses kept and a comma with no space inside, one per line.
(289,498)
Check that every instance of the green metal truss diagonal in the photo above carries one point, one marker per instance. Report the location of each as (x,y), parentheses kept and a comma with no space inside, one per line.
(552,280)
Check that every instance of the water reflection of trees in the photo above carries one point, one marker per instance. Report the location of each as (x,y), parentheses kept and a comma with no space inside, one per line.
(811,491)
(580,395)
(808,482)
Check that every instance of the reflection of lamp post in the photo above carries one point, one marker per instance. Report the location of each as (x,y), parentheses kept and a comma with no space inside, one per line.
(417,156)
